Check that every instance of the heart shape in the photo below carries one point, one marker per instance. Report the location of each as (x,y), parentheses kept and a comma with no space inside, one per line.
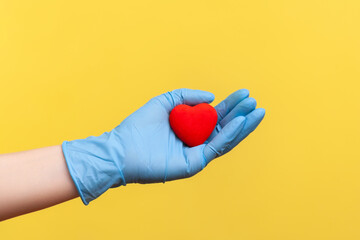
(193,124)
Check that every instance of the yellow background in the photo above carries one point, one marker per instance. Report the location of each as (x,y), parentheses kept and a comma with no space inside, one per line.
(70,69)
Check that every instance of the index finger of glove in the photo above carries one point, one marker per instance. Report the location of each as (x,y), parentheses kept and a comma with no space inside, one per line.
(225,106)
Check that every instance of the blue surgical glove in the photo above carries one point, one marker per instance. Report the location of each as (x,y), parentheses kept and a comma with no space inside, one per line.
(144,149)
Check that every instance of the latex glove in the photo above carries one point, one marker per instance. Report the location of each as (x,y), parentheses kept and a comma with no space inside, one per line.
(144,149)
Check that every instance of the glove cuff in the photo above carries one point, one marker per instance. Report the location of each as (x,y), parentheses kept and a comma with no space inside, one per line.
(92,166)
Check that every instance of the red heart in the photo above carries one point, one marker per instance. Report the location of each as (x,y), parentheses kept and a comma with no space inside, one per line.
(193,124)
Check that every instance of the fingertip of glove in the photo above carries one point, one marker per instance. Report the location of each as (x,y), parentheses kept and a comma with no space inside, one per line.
(206,95)
(261,112)
(211,97)
(243,92)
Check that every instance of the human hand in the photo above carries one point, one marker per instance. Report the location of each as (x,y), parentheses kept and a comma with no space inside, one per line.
(144,149)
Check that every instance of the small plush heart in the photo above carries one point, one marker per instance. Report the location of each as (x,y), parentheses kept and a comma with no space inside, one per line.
(193,124)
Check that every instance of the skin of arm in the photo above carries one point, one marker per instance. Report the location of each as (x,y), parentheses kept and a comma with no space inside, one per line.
(40,176)
(36,179)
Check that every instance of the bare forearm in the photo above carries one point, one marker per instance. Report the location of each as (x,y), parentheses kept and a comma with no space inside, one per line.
(33,180)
